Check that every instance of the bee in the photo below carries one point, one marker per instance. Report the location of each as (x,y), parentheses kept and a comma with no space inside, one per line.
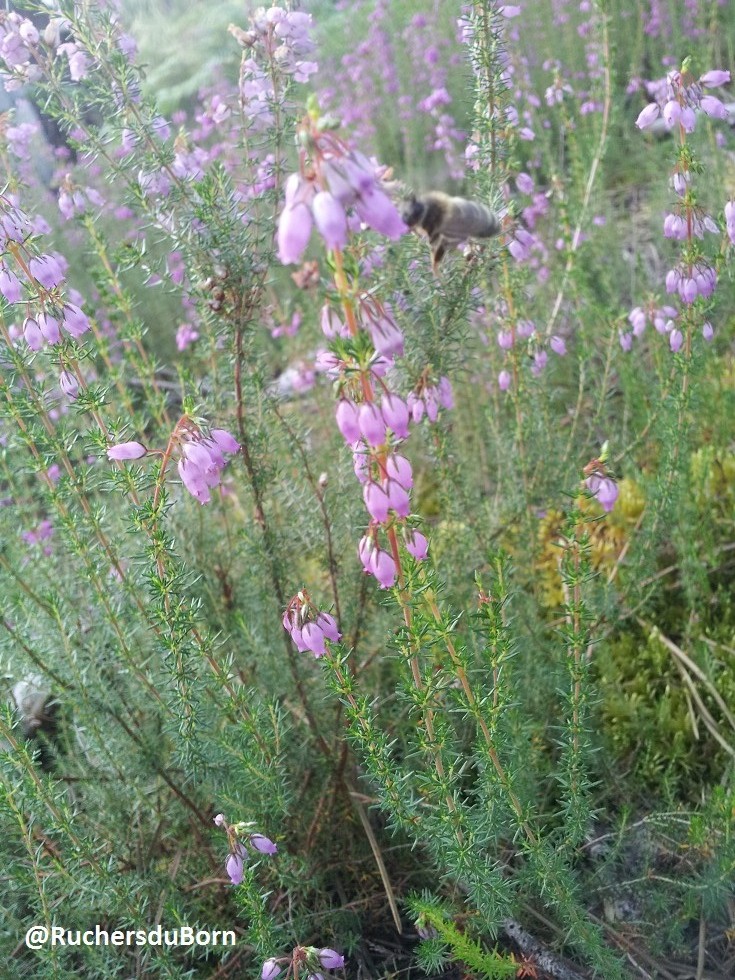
(447,221)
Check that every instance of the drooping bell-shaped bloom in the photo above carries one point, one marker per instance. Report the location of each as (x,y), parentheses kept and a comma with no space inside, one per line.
(49,327)
(75,321)
(330,959)
(68,385)
(372,424)
(330,218)
(126,450)
(398,468)
(270,970)
(263,844)
(395,414)
(417,545)
(648,116)
(376,501)
(604,489)
(235,864)
(348,421)
(32,334)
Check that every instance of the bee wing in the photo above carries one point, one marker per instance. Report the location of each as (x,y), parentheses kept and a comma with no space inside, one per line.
(468,219)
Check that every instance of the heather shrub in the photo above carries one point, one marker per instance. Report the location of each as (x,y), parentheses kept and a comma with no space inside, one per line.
(366,612)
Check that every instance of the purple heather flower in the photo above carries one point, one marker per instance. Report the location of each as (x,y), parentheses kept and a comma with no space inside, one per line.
(47,270)
(672,113)
(376,501)
(330,959)
(348,422)
(328,625)
(126,450)
(75,321)
(378,211)
(220,820)
(417,545)
(331,324)
(713,107)
(604,489)
(524,183)
(398,468)
(504,380)
(626,340)
(558,346)
(235,864)
(676,339)
(312,637)
(330,219)
(10,285)
(372,423)
(648,116)
(398,498)
(49,327)
(714,78)
(263,844)
(270,970)
(69,385)
(395,414)
(32,335)
(707,330)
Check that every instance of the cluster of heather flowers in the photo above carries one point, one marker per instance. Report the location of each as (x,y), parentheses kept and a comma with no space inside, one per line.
(201,457)
(679,95)
(283,38)
(304,961)
(34,278)
(693,278)
(238,836)
(308,627)
(365,339)
(339,180)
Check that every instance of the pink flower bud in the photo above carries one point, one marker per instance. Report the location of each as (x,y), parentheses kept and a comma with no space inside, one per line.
(126,450)
(398,498)
(504,380)
(226,442)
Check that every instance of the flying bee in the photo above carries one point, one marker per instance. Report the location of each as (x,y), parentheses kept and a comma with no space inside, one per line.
(448,221)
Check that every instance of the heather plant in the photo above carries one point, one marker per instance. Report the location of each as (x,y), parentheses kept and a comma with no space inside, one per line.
(361,618)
